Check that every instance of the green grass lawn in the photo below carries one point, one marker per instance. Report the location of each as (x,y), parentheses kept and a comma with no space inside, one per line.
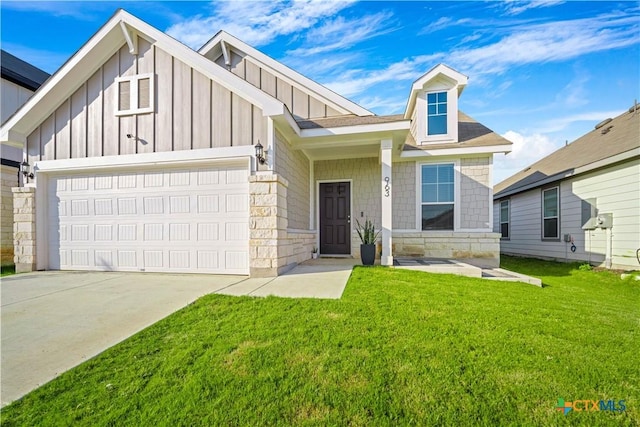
(400,347)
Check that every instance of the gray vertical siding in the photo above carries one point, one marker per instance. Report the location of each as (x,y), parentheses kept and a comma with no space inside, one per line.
(191,112)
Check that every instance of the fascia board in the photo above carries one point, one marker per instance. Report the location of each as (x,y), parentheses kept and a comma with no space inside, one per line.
(456,151)
(355,130)
(53,84)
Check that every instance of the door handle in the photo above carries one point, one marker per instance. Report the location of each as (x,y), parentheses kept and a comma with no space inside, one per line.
(348,219)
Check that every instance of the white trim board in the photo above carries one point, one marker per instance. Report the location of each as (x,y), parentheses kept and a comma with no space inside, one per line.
(245,153)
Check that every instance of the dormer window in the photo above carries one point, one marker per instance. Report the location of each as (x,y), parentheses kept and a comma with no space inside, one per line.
(135,95)
(433,106)
(437,113)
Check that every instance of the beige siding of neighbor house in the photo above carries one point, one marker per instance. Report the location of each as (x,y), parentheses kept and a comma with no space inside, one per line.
(475,193)
(616,190)
(191,112)
(293,165)
(301,103)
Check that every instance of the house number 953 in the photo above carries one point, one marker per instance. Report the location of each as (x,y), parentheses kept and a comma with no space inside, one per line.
(387,187)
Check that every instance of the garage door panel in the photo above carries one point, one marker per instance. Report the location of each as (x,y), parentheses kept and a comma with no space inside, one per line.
(170,220)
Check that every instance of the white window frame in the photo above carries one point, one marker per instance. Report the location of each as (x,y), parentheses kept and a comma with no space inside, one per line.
(446,115)
(508,221)
(133,80)
(557,217)
(421,116)
(456,194)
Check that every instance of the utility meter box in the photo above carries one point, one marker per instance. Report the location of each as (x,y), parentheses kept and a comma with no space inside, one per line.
(604,220)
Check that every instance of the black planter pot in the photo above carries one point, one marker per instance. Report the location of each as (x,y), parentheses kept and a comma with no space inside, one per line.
(368,254)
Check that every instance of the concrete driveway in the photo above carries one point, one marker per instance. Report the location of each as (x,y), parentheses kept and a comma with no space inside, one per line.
(53,321)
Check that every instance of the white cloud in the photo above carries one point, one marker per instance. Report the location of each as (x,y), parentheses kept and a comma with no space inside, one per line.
(57,8)
(383,104)
(255,22)
(516,7)
(526,149)
(523,44)
(561,123)
(341,33)
(442,23)
(548,42)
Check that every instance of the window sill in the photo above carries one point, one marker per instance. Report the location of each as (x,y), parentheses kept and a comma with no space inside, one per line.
(134,112)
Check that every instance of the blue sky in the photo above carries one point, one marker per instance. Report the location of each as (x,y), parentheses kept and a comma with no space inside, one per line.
(540,72)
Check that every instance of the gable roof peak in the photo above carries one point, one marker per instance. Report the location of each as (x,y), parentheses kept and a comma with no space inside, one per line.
(214,48)
(439,70)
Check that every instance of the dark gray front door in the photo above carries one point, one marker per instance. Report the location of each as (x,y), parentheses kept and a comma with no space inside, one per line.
(335,218)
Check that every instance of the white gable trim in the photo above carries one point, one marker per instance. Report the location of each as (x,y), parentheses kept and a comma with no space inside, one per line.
(457,79)
(334,100)
(96,51)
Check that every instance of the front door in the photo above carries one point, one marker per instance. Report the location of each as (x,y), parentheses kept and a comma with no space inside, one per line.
(335,218)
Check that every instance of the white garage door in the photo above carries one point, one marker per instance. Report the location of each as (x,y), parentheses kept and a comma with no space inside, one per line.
(188,220)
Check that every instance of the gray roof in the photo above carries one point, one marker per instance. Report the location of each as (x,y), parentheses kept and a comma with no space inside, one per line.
(347,120)
(21,73)
(614,137)
(470,134)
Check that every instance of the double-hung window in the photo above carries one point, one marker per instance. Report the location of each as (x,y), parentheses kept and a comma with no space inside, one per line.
(437,113)
(437,196)
(135,94)
(551,213)
(504,219)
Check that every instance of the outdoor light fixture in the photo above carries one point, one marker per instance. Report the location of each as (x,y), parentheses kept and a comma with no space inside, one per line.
(260,153)
(26,170)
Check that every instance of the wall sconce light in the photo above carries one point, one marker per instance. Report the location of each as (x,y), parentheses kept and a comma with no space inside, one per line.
(260,153)
(26,171)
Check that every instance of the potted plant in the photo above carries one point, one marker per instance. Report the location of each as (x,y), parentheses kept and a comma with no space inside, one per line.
(368,236)
(314,253)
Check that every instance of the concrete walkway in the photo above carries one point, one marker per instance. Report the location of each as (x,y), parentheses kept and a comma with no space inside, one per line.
(53,321)
(320,278)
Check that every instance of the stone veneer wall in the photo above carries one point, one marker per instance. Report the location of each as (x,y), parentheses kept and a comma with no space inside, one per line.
(9,177)
(475,193)
(484,247)
(293,166)
(24,228)
(272,249)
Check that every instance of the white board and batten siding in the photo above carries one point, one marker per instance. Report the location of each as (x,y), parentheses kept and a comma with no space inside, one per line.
(191,112)
(616,190)
(189,220)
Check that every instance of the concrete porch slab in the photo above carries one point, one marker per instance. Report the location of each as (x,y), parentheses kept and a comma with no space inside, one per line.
(443,266)
(448,266)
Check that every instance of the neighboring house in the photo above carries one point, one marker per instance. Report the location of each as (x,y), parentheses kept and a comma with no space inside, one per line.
(145,159)
(580,203)
(19,81)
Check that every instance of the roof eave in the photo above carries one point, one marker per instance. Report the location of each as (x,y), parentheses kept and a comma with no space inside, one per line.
(609,161)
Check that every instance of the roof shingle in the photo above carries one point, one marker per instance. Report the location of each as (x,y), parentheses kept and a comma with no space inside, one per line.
(619,135)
